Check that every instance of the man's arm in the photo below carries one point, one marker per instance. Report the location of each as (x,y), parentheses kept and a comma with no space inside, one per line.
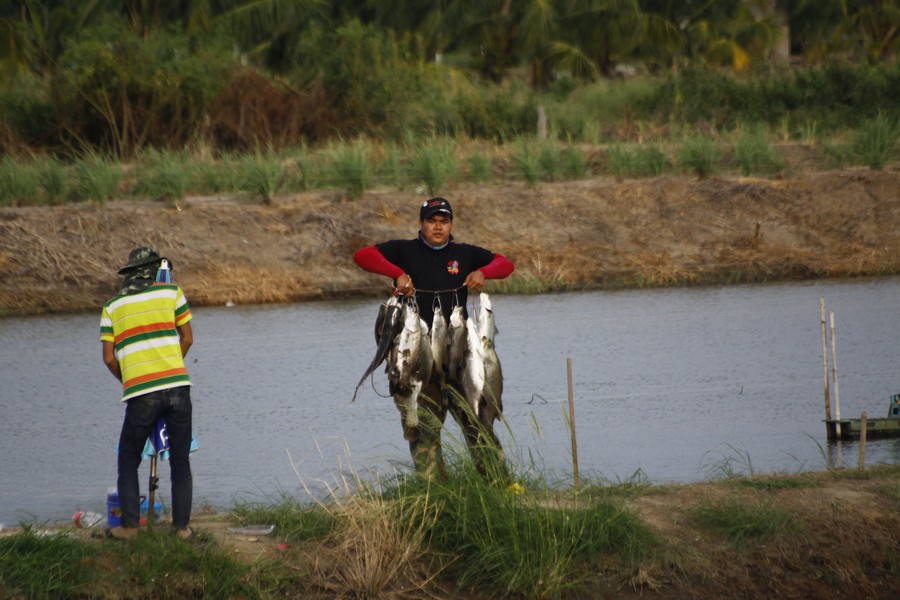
(371,259)
(498,268)
(187,338)
(110,360)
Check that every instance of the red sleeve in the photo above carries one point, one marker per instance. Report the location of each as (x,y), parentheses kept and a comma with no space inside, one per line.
(370,259)
(498,268)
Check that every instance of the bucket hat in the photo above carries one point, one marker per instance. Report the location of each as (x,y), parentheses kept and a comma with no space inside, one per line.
(144,255)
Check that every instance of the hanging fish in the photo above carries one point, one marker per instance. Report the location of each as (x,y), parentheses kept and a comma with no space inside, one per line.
(410,365)
(438,340)
(471,376)
(387,326)
(456,344)
(493,375)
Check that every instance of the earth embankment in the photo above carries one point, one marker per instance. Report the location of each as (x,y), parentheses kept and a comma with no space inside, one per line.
(568,235)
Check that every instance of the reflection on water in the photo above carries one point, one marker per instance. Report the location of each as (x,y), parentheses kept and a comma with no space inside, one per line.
(673,385)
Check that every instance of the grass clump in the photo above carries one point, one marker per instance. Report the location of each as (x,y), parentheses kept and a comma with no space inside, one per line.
(37,566)
(349,167)
(433,163)
(876,140)
(262,174)
(54,180)
(18,183)
(164,175)
(97,178)
(292,520)
(509,540)
(699,155)
(741,520)
(755,155)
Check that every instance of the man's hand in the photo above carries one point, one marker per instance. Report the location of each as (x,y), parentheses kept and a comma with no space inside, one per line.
(475,281)
(405,285)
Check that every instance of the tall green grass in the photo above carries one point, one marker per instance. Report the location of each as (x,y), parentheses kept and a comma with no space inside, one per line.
(433,163)
(164,175)
(262,174)
(18,182)
(876,140)
(755,155)
(699,154)
(97,178)
(349,166)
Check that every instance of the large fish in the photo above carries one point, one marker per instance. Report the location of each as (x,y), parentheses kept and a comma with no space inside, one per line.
(456,344)
(493,375)
(410,364)
(387,326)
(438,339)
(471,377)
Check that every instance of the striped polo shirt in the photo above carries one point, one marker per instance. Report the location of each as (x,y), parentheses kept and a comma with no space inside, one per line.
(143,328)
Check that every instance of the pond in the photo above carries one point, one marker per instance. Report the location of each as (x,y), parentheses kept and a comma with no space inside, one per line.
(669,385)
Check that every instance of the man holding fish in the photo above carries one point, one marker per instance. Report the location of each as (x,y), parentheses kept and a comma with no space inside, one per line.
(434,362)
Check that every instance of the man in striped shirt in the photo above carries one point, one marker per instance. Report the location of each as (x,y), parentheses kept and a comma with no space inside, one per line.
(145,332)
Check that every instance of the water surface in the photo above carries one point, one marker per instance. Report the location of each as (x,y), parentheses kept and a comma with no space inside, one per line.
(673,385)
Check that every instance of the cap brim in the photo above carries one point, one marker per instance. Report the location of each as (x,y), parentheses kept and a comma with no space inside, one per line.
(428,215)
(142,263)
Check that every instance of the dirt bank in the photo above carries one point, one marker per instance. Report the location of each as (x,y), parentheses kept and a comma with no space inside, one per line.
(588,233)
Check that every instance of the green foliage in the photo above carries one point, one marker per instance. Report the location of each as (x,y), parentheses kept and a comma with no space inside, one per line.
(125,90)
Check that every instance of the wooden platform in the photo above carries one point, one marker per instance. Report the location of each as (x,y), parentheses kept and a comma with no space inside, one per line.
(876,427)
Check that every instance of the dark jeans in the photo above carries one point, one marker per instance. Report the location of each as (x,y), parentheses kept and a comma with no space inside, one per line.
(141,415)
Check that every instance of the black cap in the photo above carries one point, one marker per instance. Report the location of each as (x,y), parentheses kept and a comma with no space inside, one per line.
(434,206)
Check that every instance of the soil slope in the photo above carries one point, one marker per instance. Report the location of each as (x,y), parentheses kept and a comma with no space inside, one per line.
(568,235)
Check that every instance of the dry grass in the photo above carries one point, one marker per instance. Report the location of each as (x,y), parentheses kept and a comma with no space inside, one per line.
(568,235)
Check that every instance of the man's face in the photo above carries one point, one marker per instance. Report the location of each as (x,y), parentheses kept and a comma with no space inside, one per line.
(436,229)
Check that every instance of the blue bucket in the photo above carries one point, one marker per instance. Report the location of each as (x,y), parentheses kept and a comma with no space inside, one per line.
(145,507)
(114,509)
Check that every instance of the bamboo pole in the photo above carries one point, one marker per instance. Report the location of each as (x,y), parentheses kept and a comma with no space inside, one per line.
(834,376)
(862,439)
(572,422)
(828,428)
